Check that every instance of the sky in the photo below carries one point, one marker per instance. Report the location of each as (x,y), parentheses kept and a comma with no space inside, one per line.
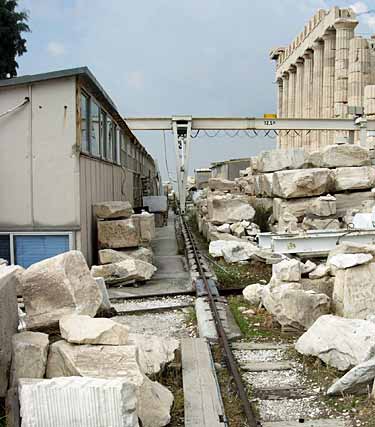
(168,57)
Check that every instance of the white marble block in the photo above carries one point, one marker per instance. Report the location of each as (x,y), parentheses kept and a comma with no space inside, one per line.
(78,402)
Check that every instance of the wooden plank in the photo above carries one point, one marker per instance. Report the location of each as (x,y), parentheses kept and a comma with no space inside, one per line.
(202,401)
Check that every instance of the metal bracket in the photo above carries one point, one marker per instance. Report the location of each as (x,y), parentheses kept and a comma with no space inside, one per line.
(181,126)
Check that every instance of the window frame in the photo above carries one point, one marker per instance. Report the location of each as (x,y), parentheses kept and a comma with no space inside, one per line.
(87,97)
(94,101)
(13,234)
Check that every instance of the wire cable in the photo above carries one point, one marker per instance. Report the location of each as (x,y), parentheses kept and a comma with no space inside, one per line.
(25,101)
(166,159)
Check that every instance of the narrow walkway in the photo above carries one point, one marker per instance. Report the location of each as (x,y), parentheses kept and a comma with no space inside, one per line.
(172,274)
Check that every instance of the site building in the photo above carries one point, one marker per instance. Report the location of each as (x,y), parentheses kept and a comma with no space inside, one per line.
(65,146)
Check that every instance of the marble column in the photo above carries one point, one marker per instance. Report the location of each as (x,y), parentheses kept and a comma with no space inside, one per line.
(329,39)
(292,137)
(344,33)
(372,62)
(285,106)
(317,106)
(280,139)
(359,71)
(299,97)
(307,96)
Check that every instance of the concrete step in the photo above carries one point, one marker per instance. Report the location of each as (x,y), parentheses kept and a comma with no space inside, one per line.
(306,423)
(260,346)
(266,366)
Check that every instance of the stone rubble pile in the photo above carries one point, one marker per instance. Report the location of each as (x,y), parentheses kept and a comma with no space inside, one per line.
(335,302)
(124,239)
(294,301)
(90,362)
(295,190)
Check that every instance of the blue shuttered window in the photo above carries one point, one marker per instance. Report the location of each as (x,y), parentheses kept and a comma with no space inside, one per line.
(31,249)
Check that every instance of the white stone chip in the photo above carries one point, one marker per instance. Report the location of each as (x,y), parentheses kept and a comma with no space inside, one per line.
(339,342)
(86,330)
(343,261)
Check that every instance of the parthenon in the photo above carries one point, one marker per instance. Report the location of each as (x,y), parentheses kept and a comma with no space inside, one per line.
(323,74)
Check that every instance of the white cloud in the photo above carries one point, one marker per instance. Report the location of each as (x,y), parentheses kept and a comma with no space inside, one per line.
(136,79)
(55,48)
(359,7)
(370,21)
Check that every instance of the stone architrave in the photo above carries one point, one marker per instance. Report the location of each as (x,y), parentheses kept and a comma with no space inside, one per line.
(302,183)
(117,234)
(113,210)
(8,323)
(58,286)
(114,401)
(272,161)
(359,178)
(340,155)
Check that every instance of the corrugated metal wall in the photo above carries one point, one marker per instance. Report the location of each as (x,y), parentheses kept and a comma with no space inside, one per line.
(99,181)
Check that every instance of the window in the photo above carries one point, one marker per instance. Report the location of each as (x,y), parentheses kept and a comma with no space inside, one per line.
(103,134)
(85,123)
(109,147)
(31,249)
(25,249)
(117,145)
(94,129)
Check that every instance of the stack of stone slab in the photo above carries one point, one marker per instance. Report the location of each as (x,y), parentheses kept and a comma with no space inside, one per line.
(124,239)
(98,362)
(106,364)
(295,190)
(320,190)
(295,296)
(224,213)
(345,339)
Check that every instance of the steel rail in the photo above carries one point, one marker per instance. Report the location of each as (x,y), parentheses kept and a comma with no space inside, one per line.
(231,362)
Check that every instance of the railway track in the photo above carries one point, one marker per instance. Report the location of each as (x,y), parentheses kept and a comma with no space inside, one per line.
(281,394)
(213,298)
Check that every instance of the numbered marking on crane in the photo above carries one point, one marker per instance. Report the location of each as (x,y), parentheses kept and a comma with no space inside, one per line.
(269,122)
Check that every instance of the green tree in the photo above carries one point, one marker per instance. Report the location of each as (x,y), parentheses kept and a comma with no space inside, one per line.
(12,44)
